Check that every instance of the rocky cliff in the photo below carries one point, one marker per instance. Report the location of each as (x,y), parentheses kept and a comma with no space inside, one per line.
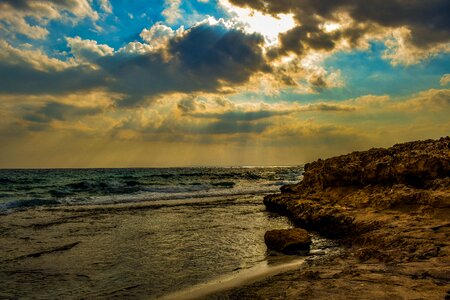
(391,210)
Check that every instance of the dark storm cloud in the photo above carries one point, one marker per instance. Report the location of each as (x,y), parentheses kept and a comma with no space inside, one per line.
(59,111)
(24,79)
(231,53)
(205,59)
(429,21)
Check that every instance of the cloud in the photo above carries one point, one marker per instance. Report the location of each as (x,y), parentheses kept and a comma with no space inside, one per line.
(30,58)
(233,127)
(16,24)
(243,116)
(61,112)
(87,51)
(445,79)
(31,72)
(158,36)
(324,25)
(434,100)
(205,58)
(172,12)
(106,6)
(16,15)
(24,79)
(400,51)
(288,132)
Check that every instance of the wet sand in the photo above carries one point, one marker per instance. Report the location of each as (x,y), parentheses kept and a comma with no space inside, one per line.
(237,279)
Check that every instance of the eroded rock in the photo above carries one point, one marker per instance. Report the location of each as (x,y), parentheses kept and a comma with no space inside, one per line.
(391,208)
(378,201)
(288,240)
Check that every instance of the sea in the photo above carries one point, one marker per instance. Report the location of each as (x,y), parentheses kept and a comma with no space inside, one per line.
(140,233)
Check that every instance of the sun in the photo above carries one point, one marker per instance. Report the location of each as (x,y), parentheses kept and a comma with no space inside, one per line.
(256,22)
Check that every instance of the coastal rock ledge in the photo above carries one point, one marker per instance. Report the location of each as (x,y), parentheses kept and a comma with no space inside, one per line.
(390,208)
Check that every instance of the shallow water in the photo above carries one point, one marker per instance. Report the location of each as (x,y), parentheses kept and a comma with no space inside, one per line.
(120,246)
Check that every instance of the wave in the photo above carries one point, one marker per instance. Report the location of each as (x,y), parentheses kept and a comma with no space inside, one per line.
(20,181)
(95,188)
(27,203)
(171,195)
(25,189)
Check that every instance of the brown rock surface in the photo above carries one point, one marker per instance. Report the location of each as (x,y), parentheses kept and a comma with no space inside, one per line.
(391,210)
(287,240)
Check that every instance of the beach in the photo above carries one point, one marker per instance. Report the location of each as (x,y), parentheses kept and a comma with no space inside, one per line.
(381,233)
(136,233)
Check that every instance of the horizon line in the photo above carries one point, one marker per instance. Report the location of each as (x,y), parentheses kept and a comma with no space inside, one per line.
(178,167)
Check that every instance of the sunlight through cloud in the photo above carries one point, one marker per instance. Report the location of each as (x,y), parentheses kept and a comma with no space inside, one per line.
(257,22)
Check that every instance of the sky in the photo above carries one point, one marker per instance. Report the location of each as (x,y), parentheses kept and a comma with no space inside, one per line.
(167,83)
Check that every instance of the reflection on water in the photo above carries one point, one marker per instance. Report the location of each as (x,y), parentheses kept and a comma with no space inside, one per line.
(136,253)
(133,233)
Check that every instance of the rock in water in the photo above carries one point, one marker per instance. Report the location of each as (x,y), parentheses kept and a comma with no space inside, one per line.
(288,240)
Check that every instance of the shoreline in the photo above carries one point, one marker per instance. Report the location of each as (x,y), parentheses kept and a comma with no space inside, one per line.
(237,279)
(275,264)
(129,251)
(391,208)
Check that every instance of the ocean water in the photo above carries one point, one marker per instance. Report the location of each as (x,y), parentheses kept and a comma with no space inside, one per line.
(28,188)
(132,233)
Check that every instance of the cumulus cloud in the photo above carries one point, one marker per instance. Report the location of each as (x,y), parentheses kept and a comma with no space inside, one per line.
(400,51)
(205,58)
(16,23)
(158,36)
(32,72)
(16,15)
(87,51)
(29,58)
(324,25)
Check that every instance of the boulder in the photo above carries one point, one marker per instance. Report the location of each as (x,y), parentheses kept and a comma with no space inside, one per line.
(288,240)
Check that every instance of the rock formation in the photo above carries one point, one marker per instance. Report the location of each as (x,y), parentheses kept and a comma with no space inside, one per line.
(338,195)
(390,208)
(288,240)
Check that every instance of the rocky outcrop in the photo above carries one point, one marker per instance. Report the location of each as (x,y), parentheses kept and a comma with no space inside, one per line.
(415,164)
(288,240)
(390,207)
(415,175)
